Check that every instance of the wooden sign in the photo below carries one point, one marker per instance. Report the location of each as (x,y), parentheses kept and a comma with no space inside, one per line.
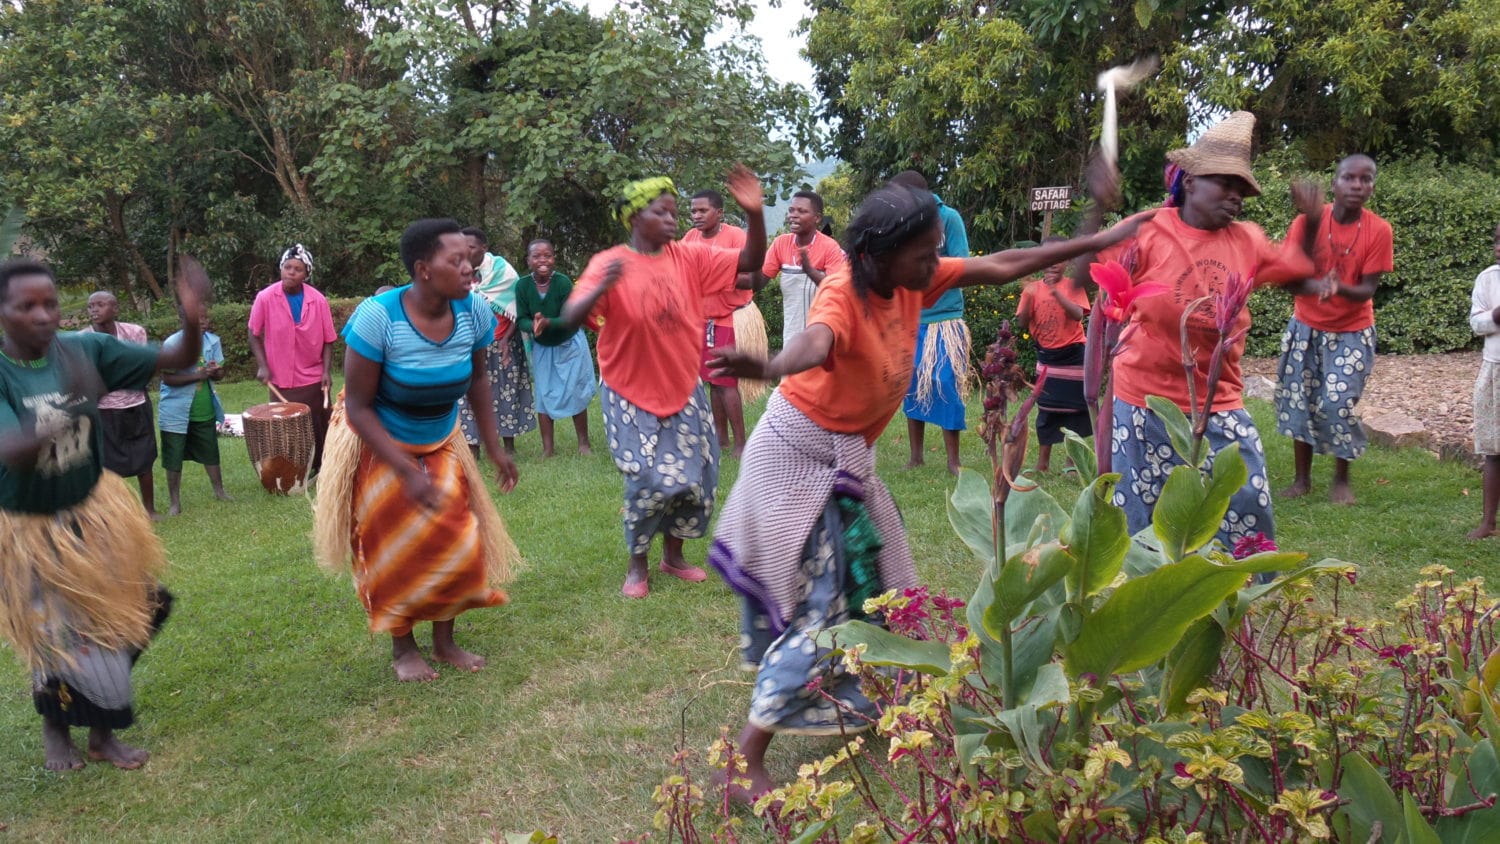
(1051,199)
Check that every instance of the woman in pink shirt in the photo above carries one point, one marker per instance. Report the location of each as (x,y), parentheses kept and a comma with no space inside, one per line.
(291,335)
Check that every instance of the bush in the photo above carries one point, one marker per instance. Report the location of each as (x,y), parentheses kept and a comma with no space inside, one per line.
(1444,220)
(1103,687)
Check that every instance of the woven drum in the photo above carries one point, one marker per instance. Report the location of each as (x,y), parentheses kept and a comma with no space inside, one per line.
(279,437)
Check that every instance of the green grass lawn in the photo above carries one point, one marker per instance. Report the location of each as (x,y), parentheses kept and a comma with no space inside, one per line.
(273,715)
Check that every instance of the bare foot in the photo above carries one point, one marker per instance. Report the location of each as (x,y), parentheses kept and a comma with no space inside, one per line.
(57,744)
(546,453)
(1341,494)
(738,452)
(760,783)
(1296,490)
(458,657)
(412,668)
(1482,531)
(585,450)
(107,748)
(222,495)
(914,463)
(155,516)
(174,510)
(954,467)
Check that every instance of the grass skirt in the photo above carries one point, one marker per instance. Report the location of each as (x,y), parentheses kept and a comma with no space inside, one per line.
(940,378)
(750,336)
(88,572)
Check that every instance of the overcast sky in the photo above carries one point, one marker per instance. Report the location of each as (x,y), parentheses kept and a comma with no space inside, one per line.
(776,29)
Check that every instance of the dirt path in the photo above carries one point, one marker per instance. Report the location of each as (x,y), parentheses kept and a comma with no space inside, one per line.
(1436,390)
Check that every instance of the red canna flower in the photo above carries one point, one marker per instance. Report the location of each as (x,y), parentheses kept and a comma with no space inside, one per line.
(1120,291)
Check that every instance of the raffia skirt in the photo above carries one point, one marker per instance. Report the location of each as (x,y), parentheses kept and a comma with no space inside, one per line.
(79,601)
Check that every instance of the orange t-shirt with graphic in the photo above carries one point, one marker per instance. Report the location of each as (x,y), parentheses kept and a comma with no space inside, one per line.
(650,323)
(859,387)
(720,307)
(1050,325)
(1193,263)
(1363,247)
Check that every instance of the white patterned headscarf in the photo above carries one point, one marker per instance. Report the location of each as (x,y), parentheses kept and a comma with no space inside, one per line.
(298,252)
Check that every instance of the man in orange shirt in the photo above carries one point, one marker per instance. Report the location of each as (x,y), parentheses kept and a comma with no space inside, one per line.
(803,257)
(1329,346)
(707,212)
(1052,310)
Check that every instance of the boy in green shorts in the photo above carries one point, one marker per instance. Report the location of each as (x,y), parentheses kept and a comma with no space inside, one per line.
(189,414)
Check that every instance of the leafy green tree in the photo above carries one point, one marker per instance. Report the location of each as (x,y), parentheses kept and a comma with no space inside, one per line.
(548,110)
(991,100)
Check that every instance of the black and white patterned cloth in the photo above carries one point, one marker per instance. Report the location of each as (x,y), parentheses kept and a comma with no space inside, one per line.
(1319,381)
(671,467)
(792,467)
(1142,453)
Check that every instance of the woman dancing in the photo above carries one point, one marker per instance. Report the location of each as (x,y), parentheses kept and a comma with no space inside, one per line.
(809,531)
(79,598)
(645,298)
(401,493)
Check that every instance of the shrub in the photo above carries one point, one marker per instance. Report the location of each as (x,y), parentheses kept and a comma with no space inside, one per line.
(1151,688)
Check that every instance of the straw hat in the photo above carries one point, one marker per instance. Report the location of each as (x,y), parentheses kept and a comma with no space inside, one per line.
(1223,150)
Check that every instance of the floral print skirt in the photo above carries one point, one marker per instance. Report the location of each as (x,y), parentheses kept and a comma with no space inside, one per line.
(1320,379)
(670,464)
(510,392)
(1142,454)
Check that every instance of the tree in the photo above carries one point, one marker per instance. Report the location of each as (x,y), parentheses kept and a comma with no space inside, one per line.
(547,110)
(81,136)
(991,100)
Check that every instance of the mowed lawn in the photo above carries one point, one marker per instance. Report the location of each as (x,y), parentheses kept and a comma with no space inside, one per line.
(272,713)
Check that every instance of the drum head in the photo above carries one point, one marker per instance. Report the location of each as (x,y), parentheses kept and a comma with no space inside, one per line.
(278,410)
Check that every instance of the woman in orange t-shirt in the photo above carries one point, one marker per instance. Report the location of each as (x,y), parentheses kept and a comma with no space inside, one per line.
(1192,249)
(645,299)
(810,532)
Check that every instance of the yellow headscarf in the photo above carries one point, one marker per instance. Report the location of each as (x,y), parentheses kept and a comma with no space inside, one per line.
(637,195)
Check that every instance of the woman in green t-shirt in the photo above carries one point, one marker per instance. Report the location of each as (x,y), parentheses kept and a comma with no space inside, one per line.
(79,598)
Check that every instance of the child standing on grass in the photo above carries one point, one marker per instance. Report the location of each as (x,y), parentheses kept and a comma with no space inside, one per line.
(1484,318)
(190,413)
(1052,310)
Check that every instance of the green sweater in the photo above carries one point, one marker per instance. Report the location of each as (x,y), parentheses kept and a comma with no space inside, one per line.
(530,302)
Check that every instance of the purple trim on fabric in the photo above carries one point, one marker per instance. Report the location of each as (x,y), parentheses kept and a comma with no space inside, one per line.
(847,484)
(720,557)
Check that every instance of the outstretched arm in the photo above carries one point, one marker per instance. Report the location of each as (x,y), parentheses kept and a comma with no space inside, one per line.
(1000,267)
(807,350)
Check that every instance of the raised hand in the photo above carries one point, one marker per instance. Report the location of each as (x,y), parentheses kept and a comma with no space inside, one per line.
(1307,198)
(193,287)
(1104,183)
(745,187)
